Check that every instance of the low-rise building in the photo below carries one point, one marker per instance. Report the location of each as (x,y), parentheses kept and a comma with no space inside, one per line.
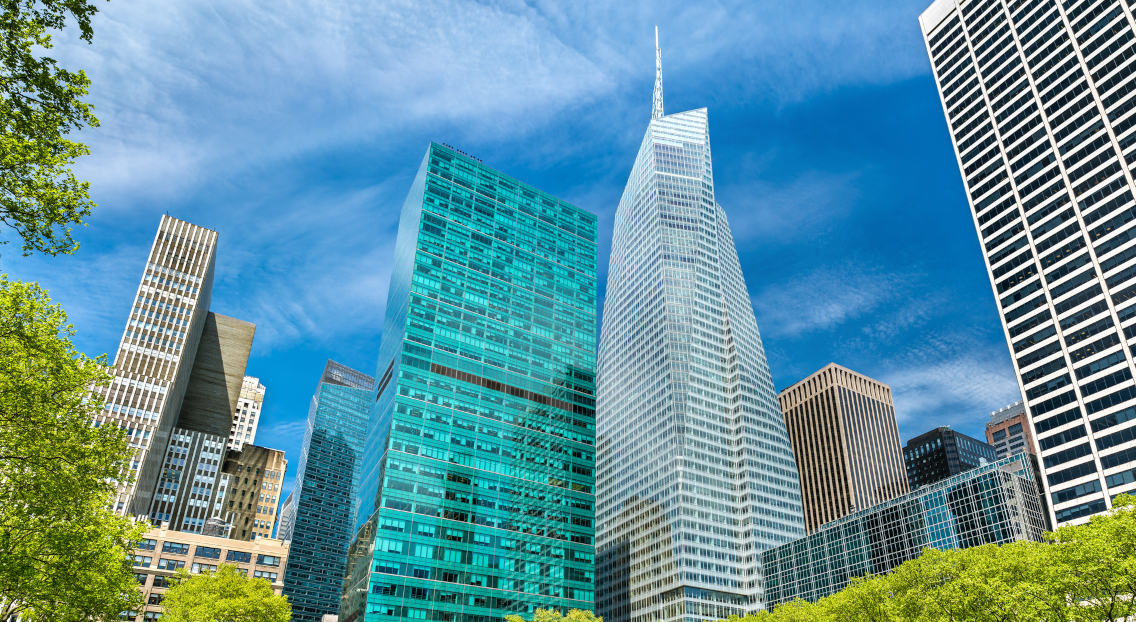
(164,551)
(994,503)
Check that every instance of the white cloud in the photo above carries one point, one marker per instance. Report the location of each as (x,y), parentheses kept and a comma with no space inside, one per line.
(828,297)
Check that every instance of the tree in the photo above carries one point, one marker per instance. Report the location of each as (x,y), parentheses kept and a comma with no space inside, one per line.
(63,552)
(554,615)
(40,103)
(227,594)
(1096,563)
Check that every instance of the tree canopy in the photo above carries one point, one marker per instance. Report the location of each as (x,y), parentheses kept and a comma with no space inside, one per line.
(1081,573)
(41,103)
(226,595)
(554,615)
(63,552)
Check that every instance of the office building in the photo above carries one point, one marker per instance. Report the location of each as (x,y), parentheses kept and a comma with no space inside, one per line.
(476,494)
(1040,100)
(246,418)
(287,521)
(846,443)
(695,470)
(940,453)
(156,353)
(1009,431)
(323,499)
(992,504)
(164,551)
(253,477)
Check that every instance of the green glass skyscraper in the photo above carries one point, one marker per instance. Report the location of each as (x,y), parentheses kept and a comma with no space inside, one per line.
(476,498)
(320,518)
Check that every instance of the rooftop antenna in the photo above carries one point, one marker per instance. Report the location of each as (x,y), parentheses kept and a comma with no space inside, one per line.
(657,99)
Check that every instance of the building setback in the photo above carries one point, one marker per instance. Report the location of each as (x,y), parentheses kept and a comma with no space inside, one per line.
(1040,100)
(846,443)
(476,497)
(941,453)
(695,470)
(322,503)
(993,504)
(1009,431)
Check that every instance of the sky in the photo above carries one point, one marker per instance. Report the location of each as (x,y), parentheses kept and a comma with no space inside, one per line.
(294,128)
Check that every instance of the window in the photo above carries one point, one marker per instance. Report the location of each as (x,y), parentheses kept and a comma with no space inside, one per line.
(199,567)
(264,574)
(267,560)
(139,560)
(161,581)
(176,548)
(155,598)
(207,551)
(239,557)
(171,564)
(147,545)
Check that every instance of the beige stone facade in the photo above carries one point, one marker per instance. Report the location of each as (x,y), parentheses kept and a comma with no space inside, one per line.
(845,441)
(255,475)
(164,551)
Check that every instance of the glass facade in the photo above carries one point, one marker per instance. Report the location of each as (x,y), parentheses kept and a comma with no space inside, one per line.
(941,453)
(696,471)
(323,500)
(993,504)
(477,492)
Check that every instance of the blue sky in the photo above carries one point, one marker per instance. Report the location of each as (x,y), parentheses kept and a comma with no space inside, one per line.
(294,128)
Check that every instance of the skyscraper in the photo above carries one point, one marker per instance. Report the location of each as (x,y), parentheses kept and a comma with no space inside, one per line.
(476,498)
(252,480)
(940,453)
(247,416)
(322,501)
(1009,431)
(177,365)
(846,443)
(695,470)
(1040,100)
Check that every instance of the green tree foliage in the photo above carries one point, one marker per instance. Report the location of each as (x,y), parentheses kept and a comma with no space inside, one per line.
(227,595)
(554,615)
(63,552)
(1082,573)
(40,104)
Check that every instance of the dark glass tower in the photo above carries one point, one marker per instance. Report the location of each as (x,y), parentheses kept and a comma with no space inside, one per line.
(936,455)
(477,492)
(324,494)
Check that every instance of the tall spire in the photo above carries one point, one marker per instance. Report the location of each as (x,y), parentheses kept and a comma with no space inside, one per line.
(657,99)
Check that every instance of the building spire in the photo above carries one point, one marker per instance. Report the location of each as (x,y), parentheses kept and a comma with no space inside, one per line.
(657,99)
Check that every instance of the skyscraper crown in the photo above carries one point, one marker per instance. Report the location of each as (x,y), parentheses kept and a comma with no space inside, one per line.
(657,98)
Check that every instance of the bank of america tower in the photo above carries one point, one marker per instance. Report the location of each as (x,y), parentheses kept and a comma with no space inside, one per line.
(695,469)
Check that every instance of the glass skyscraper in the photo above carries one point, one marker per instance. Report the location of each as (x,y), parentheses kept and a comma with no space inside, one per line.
(322,505)
(1040,100)
(477,492)
(696,475)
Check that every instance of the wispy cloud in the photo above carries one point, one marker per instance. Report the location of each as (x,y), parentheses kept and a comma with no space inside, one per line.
(828,297)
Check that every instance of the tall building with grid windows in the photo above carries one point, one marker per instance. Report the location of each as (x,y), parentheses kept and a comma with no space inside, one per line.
(168,324)
(995,503)
(476,498)
(695,469)
(846,443)
(1009,431)
(940,453)
(1040,100)
(321,510)
(246,417)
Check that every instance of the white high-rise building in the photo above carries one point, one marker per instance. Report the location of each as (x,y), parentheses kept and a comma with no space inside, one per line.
(695,471)
(247,415)
(1040,99)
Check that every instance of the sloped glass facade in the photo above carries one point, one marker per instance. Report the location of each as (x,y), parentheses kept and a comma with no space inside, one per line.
(477,495)
(325,490)
(991,504)
(696,475)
